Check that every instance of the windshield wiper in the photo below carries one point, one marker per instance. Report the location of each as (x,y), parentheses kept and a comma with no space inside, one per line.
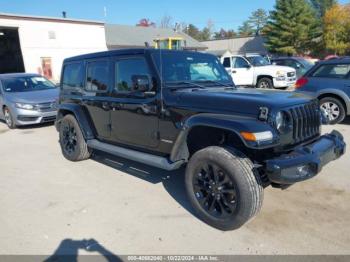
(218,83)
(176,84)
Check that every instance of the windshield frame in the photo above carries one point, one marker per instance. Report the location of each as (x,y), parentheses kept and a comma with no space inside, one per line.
(28,79)
(225,78)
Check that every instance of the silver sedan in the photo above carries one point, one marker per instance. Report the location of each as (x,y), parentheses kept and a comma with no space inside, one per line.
(27,99)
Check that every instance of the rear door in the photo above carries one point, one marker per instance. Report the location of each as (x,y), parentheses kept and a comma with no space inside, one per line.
(134,115)
(96,95)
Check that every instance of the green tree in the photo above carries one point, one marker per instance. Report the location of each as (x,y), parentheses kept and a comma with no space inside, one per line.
(321,6)
(204,35)
(258,20)
(246,29)
(293,28)
(223,34)
(192,31)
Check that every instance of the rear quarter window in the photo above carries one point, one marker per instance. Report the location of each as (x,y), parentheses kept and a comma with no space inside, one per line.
(337,71)
(72,76)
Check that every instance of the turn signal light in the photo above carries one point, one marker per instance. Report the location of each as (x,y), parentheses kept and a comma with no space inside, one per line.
(248,136)
(301,82)
(257,137)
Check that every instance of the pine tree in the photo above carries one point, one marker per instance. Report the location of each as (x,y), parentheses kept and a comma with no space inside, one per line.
(246,29)
(293,28)
(258,20)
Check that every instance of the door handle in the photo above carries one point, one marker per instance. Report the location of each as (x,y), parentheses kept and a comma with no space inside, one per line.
(234,71)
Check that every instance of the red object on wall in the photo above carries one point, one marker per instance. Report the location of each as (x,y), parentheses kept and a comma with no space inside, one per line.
(46,67)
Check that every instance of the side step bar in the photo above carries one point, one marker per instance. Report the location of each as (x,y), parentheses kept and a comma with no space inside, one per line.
(148,159)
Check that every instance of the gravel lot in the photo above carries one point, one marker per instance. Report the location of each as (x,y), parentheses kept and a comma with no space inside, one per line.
(130,208)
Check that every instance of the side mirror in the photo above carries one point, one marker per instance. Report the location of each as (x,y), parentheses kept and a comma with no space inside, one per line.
(247,66)
(140,83)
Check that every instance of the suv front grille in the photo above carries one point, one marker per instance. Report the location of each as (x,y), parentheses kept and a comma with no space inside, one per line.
(306,121)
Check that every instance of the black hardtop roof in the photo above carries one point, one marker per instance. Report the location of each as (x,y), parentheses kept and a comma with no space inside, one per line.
(117,52)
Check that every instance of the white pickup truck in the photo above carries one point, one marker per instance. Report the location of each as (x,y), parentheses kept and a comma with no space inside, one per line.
(256,71)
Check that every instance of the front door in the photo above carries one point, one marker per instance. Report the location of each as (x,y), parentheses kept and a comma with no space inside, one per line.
(134,115)
(242,73)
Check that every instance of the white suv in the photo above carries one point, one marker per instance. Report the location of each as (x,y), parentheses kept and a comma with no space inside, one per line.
(257,71)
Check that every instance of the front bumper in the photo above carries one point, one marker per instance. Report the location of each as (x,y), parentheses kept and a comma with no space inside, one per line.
(307,161)
(30,117)
(289,82)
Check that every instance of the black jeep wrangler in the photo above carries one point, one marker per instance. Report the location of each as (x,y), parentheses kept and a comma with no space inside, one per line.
(168,109)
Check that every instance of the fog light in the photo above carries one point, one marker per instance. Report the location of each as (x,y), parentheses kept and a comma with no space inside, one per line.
(304,170)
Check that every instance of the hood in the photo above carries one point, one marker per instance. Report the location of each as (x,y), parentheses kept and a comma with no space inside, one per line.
(273,69)
(241,100)
(279,68)
(33,97)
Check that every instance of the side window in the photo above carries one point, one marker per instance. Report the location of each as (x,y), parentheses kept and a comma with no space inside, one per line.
(279,62)
(292,63)
(72,76)
(125,70)
(332,71)
(97,76)
(227,62)
(239,62)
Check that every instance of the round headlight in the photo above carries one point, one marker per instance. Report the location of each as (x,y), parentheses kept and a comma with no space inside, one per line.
(280,121)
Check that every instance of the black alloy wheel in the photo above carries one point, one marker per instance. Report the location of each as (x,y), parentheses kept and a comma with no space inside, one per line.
(215,191)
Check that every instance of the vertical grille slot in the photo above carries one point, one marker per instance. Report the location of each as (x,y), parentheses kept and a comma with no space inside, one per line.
(306,121)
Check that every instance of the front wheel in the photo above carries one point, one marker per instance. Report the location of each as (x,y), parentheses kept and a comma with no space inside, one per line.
(223,187)
(9,118)
(265,83)
(72,141)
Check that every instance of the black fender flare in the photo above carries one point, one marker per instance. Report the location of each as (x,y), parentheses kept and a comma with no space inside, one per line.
(231,123)
(81,116)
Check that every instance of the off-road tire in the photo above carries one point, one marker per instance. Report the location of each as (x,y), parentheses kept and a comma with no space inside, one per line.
(245,178)
(81,150)
(342,112)
(267,81)
(11,124)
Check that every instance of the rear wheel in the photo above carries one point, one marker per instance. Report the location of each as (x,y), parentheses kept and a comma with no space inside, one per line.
(333,109)
(223,187)
(265,83)
(9,118)
(72,141)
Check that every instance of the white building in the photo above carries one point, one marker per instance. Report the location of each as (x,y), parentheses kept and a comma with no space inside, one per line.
(40,44)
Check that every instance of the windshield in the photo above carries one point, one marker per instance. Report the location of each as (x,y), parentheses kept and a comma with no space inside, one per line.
(258,61)
(307,64)
(179,67)
(26,84)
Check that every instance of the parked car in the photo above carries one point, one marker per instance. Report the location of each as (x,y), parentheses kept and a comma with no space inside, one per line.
(329,81)
(169,108)
(257,71)
(301,65)
(27,99)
